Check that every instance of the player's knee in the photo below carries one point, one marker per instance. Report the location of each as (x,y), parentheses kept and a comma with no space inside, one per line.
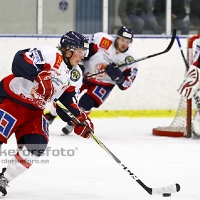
(35,143)
(86,102)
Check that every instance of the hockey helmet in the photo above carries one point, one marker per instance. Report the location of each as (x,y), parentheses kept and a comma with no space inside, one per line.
(74,40)
(125,32)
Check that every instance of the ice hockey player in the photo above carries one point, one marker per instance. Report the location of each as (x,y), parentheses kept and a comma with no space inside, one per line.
(190,88)
(105,53)
(38,76)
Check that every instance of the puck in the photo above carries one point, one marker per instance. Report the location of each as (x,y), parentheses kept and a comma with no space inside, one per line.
(166,194)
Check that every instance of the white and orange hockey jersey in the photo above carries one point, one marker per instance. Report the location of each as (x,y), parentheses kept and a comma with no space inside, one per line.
(105,53)
(20,86)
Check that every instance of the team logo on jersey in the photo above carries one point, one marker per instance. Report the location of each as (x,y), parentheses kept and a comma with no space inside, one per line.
(129,59)
(98,68)
(75,75)
(105,43)
(58,60)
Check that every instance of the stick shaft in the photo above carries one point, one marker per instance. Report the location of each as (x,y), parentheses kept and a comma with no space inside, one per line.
(182,54)
(171,188)
(144,58)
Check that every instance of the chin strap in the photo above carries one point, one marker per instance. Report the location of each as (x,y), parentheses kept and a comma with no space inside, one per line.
(67,62)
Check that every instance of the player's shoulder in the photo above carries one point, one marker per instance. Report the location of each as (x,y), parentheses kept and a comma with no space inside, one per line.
(129,56)
(46,51)
(131,52)
(45,48)
(102,34)
(97,37)
(77,67)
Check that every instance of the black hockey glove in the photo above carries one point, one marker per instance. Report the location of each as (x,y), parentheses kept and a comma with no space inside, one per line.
(115,73)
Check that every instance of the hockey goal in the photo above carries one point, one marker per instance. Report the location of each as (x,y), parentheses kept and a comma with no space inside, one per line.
(181,125)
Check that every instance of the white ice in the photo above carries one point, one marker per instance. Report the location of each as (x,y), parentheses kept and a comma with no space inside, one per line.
(92,174)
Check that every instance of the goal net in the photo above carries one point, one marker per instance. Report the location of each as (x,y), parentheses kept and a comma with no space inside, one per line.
(181,125)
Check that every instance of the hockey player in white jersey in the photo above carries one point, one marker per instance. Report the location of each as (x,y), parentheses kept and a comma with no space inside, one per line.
(38,76)
(105,53)
(190,88)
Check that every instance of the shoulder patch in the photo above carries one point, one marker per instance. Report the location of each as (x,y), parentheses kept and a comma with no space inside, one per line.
(75,75)
(59,59)
(129,59)
(105,43)
(37,56)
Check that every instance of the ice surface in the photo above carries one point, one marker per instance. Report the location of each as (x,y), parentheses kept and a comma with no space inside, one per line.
(92,174)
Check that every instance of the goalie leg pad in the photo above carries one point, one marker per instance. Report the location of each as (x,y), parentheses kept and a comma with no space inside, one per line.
(196,118)
(197,99)
(191,82)
(196,124)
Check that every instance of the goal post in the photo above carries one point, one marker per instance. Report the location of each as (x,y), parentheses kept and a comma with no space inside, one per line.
(181,125)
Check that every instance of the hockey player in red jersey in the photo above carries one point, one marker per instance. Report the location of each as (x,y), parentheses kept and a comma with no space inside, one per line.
(105,52)
(38,76)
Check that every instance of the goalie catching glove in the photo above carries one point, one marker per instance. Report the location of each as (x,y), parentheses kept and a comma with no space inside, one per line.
(45,89)
(115,73)
(85,127)
(191,82)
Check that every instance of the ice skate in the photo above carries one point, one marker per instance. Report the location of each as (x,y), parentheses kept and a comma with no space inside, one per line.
(49,117)
(3,183)
(67,130)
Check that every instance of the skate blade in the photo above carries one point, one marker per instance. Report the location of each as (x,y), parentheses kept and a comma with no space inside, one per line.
(64,134)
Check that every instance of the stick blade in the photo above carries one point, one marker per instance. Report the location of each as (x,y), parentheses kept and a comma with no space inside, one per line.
(167,189)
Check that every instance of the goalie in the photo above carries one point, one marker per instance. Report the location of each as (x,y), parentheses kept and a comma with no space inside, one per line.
(191,87)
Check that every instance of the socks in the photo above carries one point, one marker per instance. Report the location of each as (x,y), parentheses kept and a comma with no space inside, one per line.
(21,161)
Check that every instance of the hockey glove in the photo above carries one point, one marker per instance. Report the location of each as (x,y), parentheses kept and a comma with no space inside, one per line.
(84,129)
(191,82)
(115,73)
(45,88)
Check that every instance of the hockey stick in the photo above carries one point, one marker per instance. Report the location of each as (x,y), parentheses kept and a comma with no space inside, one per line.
(167,190)
(182,54)
(130,61)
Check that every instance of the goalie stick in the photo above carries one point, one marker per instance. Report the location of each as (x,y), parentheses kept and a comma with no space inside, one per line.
(182,54)
(131,60)
(167,190)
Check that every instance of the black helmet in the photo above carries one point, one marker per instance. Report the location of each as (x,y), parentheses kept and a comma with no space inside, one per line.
(125,32)
(74,40)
